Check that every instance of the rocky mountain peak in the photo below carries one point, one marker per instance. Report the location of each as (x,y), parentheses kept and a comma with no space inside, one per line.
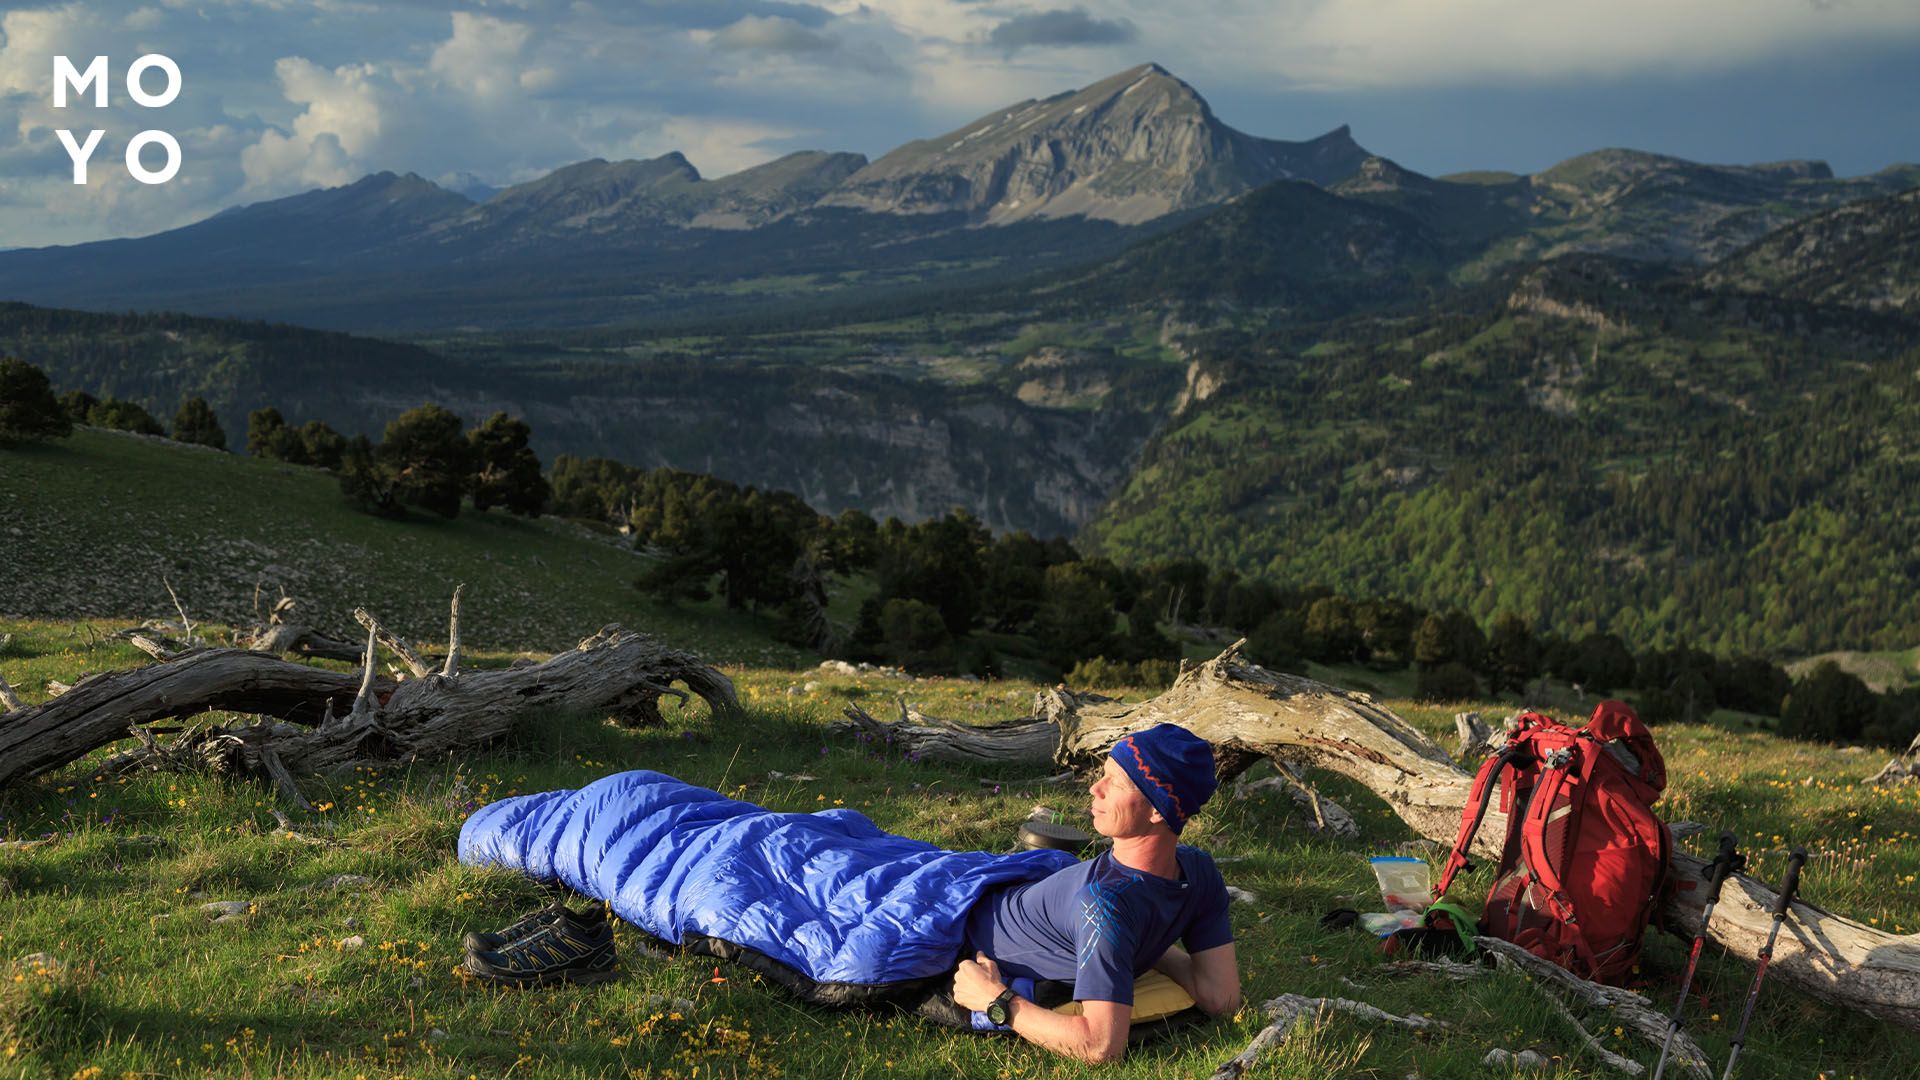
(1131,147)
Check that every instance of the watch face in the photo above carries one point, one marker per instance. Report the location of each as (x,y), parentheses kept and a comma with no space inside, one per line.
(997,1012)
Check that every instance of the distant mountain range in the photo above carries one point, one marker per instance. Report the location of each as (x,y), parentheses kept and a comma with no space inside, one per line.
(1038,186)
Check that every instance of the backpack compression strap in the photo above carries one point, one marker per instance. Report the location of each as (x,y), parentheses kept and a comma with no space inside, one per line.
(1485,783)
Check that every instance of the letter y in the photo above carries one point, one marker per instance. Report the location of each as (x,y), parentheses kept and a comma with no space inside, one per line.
(79,154)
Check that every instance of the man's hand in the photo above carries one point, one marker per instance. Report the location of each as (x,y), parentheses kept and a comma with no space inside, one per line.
(977,982)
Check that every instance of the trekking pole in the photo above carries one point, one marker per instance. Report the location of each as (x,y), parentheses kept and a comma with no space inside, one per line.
(1780,907)
(1727,863)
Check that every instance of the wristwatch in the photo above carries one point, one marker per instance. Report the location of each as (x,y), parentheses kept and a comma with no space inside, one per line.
(1000,1010)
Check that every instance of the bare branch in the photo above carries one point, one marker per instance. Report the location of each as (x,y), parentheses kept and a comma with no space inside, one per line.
(1445,969)
(363,703)
(185,623)
(1287,1010)
(452,666)
(162,649)
(283,779)
(1626,1008)
(395,644)
(9,701)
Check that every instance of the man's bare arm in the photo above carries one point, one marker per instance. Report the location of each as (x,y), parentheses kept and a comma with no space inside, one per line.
(1098,1034)
(1210,978)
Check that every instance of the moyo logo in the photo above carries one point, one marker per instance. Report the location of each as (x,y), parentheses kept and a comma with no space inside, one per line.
(65,76)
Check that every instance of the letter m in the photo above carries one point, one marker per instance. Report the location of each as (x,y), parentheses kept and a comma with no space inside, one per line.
(64,76)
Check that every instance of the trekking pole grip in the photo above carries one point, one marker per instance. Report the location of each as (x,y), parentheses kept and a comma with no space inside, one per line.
(1727,844)
(1723,866)
(1792,882)
(1724,863)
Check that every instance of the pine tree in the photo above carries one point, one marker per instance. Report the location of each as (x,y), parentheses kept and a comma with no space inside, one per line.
(427,454)
(1512,656)
(505,471)
(196,423)
(28,409)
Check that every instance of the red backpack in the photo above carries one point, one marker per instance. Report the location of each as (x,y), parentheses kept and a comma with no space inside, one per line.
(1585,859)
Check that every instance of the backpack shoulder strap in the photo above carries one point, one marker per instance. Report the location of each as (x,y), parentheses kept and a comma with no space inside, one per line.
(1485,783)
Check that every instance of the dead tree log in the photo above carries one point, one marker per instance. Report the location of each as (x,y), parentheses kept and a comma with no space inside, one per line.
(1249,713)
(332,718)
(615,673)
(111,706)
(1023,740)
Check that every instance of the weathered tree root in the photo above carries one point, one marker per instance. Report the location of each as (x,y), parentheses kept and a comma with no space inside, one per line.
(1249,713)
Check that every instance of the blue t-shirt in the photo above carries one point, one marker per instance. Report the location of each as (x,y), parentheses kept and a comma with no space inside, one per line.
(1099,924)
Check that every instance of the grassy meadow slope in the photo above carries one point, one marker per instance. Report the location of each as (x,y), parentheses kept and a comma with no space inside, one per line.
(326,976)
(99,524)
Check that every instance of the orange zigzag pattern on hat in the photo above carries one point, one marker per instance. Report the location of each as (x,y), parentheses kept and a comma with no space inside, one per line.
(1157,782)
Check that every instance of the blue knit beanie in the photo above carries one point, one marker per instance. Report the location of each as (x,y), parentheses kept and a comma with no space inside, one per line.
(1172,767)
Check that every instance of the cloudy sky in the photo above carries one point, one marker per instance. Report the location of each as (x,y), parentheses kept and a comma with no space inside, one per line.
(280,96)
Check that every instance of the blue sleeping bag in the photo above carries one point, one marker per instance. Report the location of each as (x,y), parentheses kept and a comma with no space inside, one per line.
(829,905)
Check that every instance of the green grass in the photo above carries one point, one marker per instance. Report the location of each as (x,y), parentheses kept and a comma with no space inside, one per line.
(1891,670)
(149,985)
(98,525)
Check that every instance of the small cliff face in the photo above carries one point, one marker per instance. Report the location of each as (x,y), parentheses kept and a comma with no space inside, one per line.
(1016,460)
(1127,149)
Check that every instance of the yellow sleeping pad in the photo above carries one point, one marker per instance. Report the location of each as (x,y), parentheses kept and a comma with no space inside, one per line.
(1154,996)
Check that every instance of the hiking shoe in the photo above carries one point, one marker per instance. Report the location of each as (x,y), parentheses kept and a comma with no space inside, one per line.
(478,942)
(556,952)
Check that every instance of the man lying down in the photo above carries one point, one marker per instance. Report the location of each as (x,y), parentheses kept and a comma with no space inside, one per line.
(843,913)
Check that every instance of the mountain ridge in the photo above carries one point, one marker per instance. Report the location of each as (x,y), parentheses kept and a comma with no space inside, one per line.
(1092,170)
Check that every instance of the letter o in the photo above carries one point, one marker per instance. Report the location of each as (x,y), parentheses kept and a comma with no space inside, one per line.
(165,97)
(138,171)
